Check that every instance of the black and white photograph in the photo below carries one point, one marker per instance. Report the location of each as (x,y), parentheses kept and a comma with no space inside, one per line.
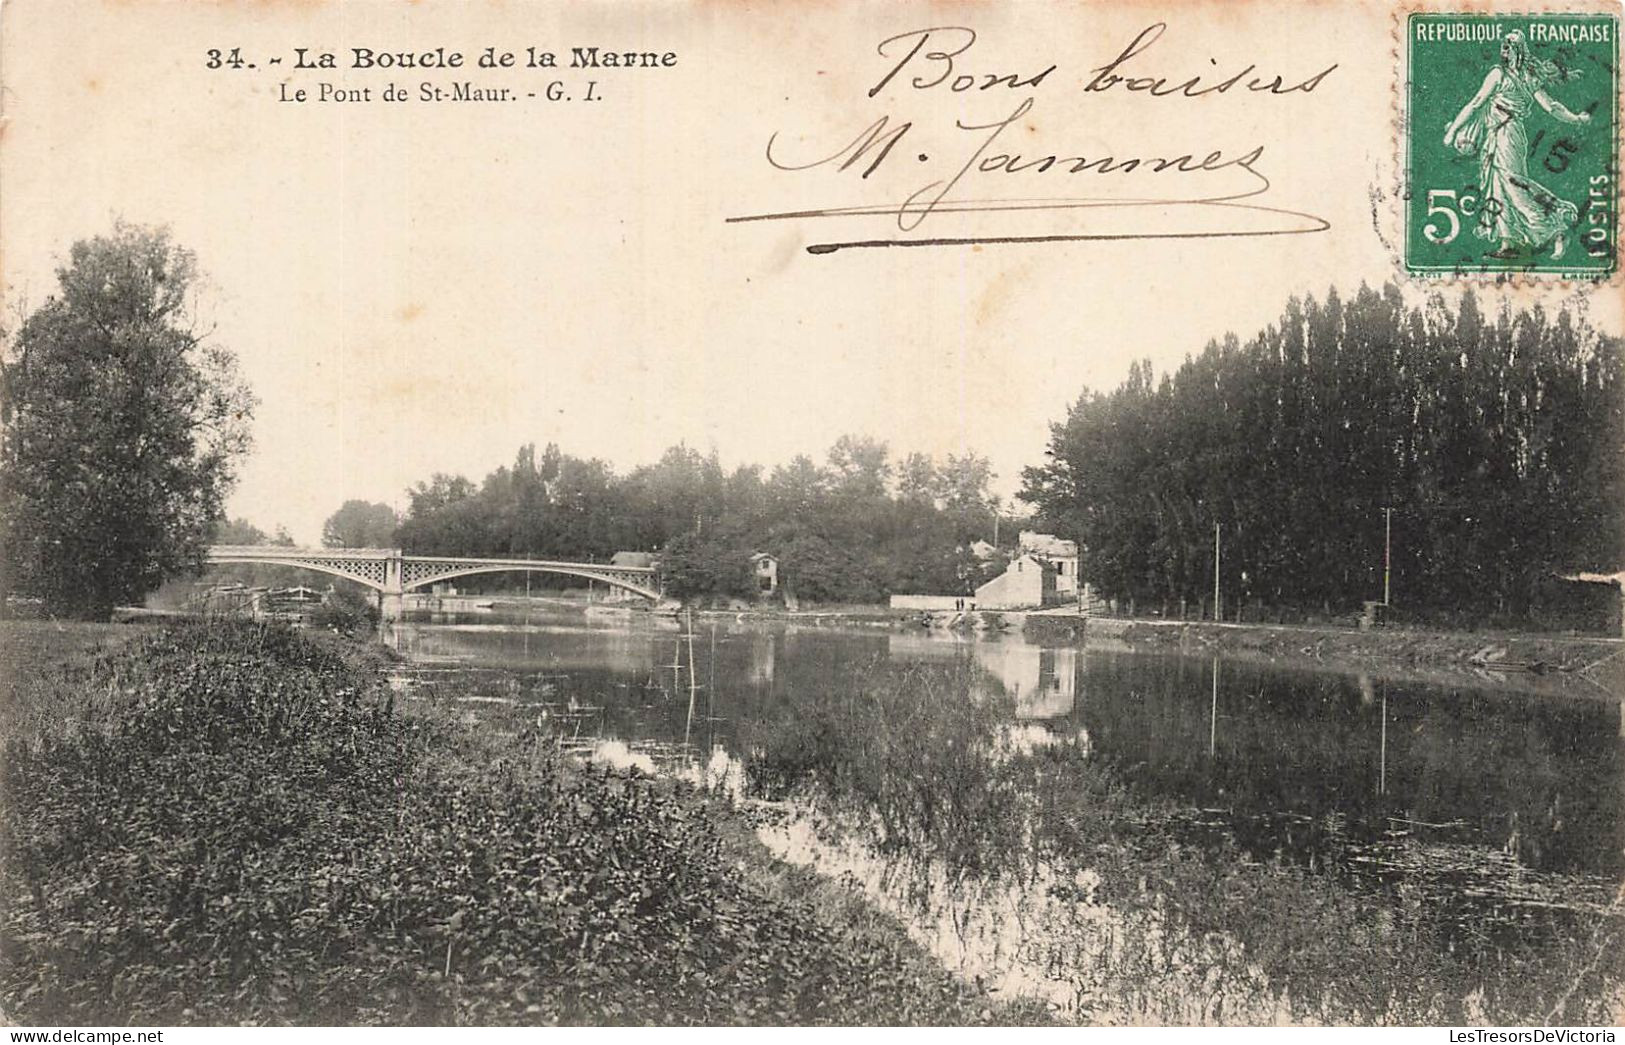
(919,514)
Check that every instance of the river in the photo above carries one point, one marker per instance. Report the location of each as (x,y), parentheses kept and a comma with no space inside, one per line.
(1498,813)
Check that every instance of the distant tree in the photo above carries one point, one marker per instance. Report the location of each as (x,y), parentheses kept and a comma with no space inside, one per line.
(964,483)
(798,488)
(976,571)
(860,542)
(681,493)
(860,467)
(917,479)
(361,524)
(444,517)
(441,491)
(238,531)
(817,569)
(695,565)
(121,428)
(746,497)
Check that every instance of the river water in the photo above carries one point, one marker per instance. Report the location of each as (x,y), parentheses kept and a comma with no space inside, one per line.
(1502,809)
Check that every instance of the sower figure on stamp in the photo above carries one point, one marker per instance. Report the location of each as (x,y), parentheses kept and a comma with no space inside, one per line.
(1517,212)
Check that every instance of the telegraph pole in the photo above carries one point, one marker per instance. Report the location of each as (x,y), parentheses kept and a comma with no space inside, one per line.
(1215,572)
(1387,549)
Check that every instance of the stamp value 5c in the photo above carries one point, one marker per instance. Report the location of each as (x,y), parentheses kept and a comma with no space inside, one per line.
(1511,144)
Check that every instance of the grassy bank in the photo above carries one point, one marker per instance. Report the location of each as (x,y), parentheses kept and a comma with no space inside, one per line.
(1504,652)
(235,823)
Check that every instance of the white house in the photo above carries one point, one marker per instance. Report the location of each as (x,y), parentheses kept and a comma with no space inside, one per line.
(1028,582)
(1060,553)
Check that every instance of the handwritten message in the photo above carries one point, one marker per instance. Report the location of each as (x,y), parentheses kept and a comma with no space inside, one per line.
(939,61)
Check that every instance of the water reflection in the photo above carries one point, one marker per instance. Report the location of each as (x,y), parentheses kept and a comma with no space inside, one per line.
(1373,779)
(1042,681)
(1541,777)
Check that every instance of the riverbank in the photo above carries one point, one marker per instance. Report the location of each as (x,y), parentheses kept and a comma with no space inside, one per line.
(294,845)
(854,615)
(1568,665)
(1482,655)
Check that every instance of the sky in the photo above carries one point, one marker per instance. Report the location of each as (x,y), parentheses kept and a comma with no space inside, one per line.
(423,287)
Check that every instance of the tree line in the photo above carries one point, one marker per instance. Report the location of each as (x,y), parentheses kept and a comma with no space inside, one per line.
(1487,447)
(852,529)
(1495,439)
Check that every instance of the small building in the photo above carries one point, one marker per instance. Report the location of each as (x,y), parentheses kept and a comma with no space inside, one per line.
(1028,582)
(639,560)
(764,566)
(984,551)
(1062,554)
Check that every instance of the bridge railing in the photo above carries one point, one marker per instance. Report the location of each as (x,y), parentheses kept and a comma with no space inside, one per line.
(282,551)
(516,563)
(279,551)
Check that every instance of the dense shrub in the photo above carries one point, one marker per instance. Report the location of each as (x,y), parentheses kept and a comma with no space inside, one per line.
(347,613)
(251,832)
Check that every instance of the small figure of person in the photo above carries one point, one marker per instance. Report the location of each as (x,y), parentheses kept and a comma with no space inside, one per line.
(1516,212)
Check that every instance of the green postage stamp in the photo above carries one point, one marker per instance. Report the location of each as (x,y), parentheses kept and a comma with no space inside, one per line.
(1511,143)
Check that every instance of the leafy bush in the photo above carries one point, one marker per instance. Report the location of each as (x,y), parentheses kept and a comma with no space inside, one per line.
(716,565)
(251,832)
(347,613)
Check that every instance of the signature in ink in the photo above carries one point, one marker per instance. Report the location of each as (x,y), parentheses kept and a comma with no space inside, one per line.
(874,146)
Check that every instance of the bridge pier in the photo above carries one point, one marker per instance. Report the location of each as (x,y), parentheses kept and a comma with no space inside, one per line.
(392,597)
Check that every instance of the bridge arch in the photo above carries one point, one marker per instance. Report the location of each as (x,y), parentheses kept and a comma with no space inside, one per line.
(333,568)
(604,576)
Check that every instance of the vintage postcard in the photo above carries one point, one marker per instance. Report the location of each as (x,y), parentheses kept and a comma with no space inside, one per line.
(671,512)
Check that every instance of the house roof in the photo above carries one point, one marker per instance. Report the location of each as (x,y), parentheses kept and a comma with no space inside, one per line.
(1048,544)
(764,555)
(632,559)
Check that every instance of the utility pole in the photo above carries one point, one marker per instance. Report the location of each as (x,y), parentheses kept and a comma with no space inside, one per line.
(1382,771)
(1387,549)
(1213,713)
(1215,572)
